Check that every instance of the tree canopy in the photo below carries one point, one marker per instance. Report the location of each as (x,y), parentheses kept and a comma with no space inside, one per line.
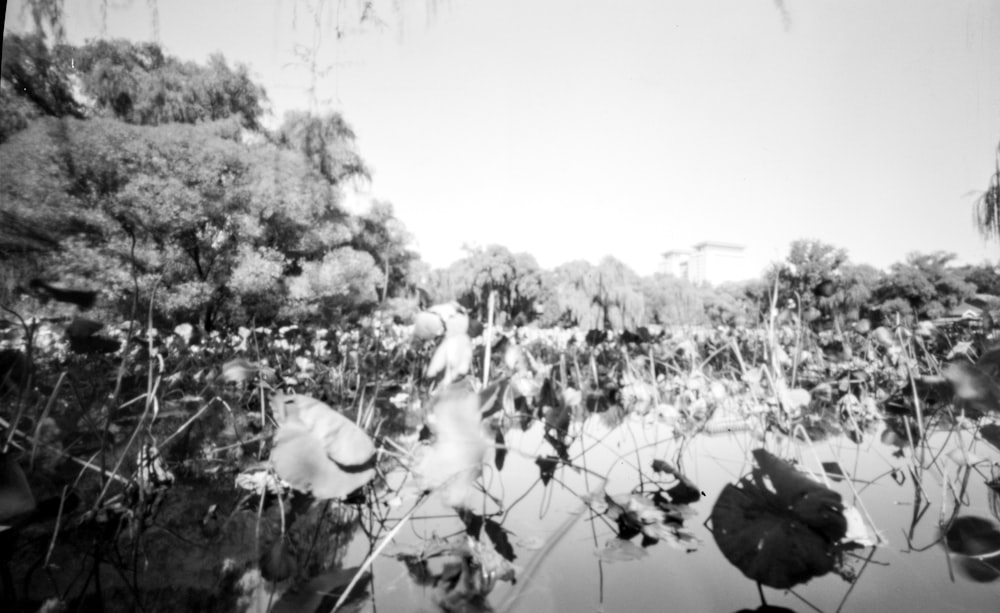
(131,170)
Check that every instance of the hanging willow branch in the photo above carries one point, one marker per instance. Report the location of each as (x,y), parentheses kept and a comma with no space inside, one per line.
(987,212)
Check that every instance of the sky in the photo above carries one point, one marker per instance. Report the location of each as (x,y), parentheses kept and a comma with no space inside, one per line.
(575,129)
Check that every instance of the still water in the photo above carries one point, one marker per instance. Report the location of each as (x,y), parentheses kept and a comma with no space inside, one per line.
(556,537)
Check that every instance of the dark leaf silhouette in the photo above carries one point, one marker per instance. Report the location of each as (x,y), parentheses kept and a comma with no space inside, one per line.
(977,392)
(84,299)
(684,492)
(783,535)
(989,362)
(501,450)
(547,468)
(818,506)
(14,370)
(825,289)
(83,339)
(979,570)
(93,345)
(500,539)
(473,522)
(559,444)
(662,466)
(16,499)
(975,541)
(489,397)
(834,470)
(991,434)
(974,536)
(81,328)
(277,563)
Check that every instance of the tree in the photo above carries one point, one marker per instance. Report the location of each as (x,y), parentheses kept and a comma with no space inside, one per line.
(926,283)
(608,296)
(33,82)
(327,141)
(343,280)
(187,209)
(516,279)
(382,235)
(673,301)
(134,82)
(138,83)
(571,301)
(809,263)
(854,289)
(619,295)
(985,277)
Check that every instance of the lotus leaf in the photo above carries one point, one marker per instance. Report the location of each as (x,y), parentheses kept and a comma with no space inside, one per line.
(453,462)
(318,450)
(453,358)
(783,535)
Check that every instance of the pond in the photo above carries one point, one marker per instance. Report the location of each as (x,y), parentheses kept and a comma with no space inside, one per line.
(557,538)
(711,489)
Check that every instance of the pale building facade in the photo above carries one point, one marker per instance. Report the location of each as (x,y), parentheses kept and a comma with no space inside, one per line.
(710,262)
(676,263)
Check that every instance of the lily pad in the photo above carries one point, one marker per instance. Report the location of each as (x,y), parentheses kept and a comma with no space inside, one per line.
(780,535)
(974,536)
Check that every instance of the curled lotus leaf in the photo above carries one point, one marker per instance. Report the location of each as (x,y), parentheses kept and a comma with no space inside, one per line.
(427,325)
(452,358)
(318,450)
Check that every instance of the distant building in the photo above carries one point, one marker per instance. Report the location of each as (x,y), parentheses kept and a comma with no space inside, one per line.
(676,263)
(709,262)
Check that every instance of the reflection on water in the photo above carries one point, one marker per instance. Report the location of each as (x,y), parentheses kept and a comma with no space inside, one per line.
(558,540)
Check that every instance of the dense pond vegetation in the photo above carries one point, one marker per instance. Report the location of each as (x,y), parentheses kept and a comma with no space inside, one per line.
(371,468)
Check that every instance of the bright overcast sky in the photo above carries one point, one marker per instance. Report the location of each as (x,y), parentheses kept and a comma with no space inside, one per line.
(578,128)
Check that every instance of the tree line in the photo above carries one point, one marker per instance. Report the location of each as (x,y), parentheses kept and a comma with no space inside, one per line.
(815,277)
(154,182)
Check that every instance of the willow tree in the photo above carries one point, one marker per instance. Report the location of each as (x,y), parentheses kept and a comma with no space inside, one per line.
(987,210)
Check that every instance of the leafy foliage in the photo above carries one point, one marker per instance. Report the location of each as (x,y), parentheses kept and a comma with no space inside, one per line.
(781,535)
(220,223)
(516,278)
(326,141)
(925,285)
